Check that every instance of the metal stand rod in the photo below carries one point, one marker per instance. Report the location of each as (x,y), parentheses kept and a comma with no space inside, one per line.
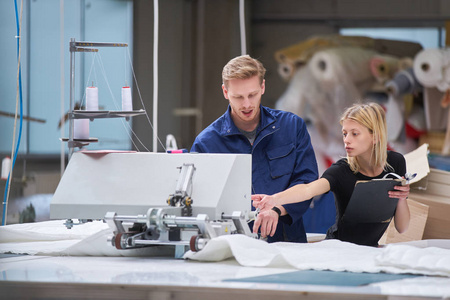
(72,96)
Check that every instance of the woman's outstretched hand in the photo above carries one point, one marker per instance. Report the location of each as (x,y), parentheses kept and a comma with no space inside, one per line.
(267,219)
(263,202)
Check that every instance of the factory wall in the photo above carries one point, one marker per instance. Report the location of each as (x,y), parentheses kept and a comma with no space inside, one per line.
(197,38)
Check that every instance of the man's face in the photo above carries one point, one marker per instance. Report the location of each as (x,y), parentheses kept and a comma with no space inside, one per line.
(244,96)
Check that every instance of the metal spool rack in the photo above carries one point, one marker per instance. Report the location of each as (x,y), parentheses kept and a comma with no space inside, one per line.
(84,114)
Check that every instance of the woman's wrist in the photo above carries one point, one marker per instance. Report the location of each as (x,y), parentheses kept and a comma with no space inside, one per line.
(276,200)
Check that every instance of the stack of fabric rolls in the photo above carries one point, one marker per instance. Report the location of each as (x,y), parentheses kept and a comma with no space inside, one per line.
(328,73)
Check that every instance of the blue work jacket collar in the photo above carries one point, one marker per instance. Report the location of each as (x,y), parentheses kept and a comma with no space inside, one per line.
(229,128)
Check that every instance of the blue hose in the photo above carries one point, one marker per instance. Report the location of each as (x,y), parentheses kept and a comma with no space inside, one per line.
(21,117)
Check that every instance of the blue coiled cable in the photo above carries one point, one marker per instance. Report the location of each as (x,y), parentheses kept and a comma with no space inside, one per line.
(21,117)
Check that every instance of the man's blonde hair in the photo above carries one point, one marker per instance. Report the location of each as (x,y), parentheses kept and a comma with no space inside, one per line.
(371,116)
(243,67)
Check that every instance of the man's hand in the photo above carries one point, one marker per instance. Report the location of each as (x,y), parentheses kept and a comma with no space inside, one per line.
(267,220)
(263,202)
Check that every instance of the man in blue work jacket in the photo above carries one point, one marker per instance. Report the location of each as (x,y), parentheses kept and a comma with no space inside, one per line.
(282,155)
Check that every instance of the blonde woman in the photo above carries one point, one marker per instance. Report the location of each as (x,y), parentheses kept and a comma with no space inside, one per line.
(365,139)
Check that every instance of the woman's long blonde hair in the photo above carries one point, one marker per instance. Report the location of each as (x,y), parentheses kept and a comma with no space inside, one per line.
(371,116)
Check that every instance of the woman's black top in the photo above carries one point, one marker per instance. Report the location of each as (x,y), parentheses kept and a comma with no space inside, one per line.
(342,182)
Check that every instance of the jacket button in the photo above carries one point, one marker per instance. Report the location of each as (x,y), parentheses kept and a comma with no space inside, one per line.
(228,130)
(273,127)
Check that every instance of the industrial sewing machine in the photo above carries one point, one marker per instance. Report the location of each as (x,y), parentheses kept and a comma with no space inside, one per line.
(157,198)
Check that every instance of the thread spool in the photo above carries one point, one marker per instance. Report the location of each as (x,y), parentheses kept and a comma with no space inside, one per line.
(127,104)
(171,142)
(91,98)
(6,167)
(81,129)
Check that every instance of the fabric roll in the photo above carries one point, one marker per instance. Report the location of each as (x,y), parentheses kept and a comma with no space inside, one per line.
(395,120)
(344,64)
(397,48)
(286,70)
(299,54)
(436,117)
(405,63)
(404,82)
(305,97)
(383,67)
(432,68)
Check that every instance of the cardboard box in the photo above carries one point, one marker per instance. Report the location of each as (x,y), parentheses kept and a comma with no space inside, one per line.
(434,191)
(416,228)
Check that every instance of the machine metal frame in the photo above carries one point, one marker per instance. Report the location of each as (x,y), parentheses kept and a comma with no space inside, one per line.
(173,225)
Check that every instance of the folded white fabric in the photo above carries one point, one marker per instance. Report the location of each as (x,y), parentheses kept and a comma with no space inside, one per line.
(326,255)
(37,247)
(48,231)
(331,255)
(53,238)
(430,259)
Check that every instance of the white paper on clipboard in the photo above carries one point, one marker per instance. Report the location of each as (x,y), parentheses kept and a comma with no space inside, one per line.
(417,162)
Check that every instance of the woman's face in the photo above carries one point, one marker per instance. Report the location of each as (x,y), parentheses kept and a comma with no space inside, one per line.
(357,139)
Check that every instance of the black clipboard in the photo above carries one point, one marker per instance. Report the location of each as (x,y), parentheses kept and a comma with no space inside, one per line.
(370,201)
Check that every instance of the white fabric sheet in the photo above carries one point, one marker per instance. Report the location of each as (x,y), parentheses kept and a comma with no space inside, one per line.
(48,231)
(331,255)
(90,239)
(53,238)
